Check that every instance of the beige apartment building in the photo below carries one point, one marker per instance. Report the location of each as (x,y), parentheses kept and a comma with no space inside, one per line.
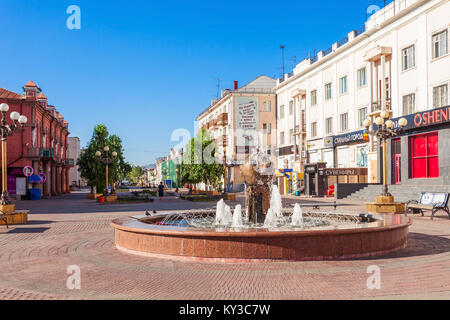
(241,121)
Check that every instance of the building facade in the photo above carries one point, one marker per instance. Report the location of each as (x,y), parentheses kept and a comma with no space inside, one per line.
(41,145)
(242,120)
(73,152)
(399,62)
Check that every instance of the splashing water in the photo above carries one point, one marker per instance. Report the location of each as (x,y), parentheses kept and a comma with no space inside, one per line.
(297,216)
(237,217)
(223,214)
(275,202)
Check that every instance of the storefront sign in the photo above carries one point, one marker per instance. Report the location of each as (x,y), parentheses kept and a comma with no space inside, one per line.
(311,169)
(343,171)
(328,142)
(351,137)
(423,119)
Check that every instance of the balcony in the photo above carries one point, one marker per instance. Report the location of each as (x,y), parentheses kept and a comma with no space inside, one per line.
(68,162)
(47,153)
(222,120)
(377,106)
(285,151)
(297,130)
(33,153)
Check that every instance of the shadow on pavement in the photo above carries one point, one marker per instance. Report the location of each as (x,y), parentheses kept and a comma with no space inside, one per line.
(28,230)
(419,244)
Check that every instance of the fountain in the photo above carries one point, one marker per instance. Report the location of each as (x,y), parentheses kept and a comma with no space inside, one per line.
(265,231)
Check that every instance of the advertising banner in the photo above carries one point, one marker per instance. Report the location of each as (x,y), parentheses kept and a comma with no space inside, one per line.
(247,121)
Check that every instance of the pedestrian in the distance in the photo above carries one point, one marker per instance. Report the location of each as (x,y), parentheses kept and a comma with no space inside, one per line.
(161,191)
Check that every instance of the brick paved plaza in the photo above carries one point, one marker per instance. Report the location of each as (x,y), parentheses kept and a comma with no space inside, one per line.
(72,230)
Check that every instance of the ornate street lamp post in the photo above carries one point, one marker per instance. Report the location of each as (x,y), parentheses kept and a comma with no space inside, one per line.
(8,130)
(107,161)
(385,130)
(177,171)
(165,172)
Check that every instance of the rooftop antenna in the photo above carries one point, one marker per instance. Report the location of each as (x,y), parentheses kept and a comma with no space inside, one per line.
(218,86)
(282,61)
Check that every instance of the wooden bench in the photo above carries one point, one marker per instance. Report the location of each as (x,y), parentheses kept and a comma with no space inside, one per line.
(433,201)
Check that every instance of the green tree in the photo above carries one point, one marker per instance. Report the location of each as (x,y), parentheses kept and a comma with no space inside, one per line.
(92,169)
(199,162)
(135,174)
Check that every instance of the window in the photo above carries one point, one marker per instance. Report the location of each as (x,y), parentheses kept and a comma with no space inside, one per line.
(267,106)
(282,138)
(361,77)
(329,126)
(440,44)
(291,107)
(291,136)
(440,95)
(424,152)
(362,115)
(281,112)
(313,129)
(314,97)
(344,121)
(328,95)
(267,128)
(343,85)
(409,104)
(408,57)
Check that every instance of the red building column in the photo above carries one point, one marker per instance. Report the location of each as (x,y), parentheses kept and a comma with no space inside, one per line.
(53,178)
(58,180)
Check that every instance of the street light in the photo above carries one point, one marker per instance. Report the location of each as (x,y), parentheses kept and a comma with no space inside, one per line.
(8,130)
(385,130)
(165,172)
(177,170)
(107,161)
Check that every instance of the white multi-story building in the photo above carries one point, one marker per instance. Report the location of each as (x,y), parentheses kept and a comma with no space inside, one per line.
(399,61)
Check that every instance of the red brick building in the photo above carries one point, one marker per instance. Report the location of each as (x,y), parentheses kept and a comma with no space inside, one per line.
(42,144)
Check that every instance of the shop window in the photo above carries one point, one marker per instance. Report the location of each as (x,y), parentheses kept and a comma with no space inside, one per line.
(424,152)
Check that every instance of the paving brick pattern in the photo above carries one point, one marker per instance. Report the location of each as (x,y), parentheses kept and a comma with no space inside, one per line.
(72,230)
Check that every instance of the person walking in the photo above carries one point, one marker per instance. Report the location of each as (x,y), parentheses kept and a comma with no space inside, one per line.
(161,190)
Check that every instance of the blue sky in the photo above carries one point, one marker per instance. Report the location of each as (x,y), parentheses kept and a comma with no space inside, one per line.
(145,68)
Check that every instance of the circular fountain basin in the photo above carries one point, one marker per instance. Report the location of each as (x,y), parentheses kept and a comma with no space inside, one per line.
(385,234)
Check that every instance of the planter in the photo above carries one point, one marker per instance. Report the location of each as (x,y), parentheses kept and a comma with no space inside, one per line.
(93,196)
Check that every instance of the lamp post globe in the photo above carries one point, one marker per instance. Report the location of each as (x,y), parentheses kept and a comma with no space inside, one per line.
(114,154)
(403,122)
(106,148)
(4,107)
(23,119)
(384,114)
(15,116)
(389,124)
(98,153)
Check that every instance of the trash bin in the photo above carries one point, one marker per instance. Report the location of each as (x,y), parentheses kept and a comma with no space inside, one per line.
(101,199)
(35,194)
(297,193)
